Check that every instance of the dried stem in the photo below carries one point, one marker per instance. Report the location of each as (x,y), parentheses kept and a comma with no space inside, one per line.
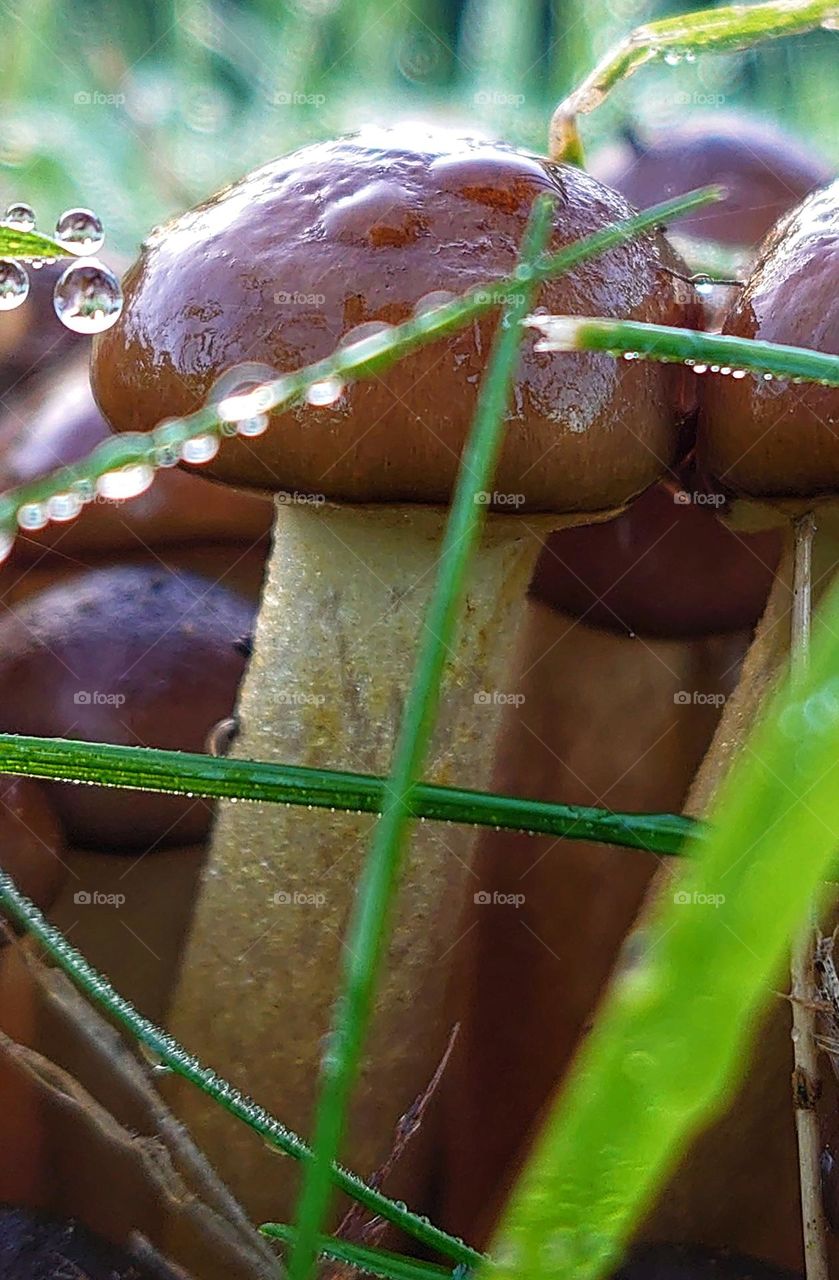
(806,1085)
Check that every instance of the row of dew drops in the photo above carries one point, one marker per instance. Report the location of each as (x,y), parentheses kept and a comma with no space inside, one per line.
(87,297)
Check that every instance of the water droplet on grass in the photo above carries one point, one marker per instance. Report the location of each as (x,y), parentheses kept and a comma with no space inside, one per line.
(200,449)
(20,216)
(87,297)
(64,506)
(14,284)
(125,483)
(326,392)
(80,230)
(32,516)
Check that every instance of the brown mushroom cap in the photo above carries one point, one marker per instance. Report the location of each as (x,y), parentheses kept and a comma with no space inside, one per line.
(132,655)
(773,438)
(765,172)
(59,425)
(662,568)
(283,265)
(31,840)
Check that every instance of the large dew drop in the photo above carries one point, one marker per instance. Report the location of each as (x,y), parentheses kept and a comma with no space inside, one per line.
(325,392)
(127,482)
(80,231)
(20,216)
(200,449)
(14,284)
(87,297)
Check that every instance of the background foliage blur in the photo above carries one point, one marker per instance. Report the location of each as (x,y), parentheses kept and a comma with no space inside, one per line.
(138,109)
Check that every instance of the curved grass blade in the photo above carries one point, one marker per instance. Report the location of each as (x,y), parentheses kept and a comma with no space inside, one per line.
(184,773)
(166,1050)
(368,928)
(673,1035)
(674,38)
(715,351)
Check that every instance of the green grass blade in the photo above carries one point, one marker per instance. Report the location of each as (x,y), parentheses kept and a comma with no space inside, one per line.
(172,1056)
(29,244)
(368,928)
(184,773)
(373,1262)
(673,1035)
(713,351)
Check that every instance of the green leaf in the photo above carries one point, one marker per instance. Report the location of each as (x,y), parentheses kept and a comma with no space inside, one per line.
(184,773)
(29,244)
(672,1038)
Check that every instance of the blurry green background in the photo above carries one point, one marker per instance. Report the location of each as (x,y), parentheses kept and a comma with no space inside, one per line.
(138,109)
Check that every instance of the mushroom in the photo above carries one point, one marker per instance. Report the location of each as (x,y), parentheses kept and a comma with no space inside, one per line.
(622,720)
(764,170)
(279,269)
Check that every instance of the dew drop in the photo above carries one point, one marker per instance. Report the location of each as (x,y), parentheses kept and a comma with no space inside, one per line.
(20,216)
(252,427)
(32,516)
(703,284)
(725,370)
(366,340)
(85,490)
(127,482)
(630,355)
(200,449)
(7,541)
(672,57)
(738,373)
(326,392)
(166,455)
(80,230)
(64,506)
(767,377)
(244,391)
(14,284)
(87,297)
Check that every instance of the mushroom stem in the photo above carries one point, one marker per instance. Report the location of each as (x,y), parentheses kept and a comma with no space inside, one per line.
(806,1085)
(342,610)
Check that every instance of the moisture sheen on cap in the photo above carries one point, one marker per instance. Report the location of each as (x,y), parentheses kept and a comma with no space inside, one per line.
(773,438)
(280,267)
